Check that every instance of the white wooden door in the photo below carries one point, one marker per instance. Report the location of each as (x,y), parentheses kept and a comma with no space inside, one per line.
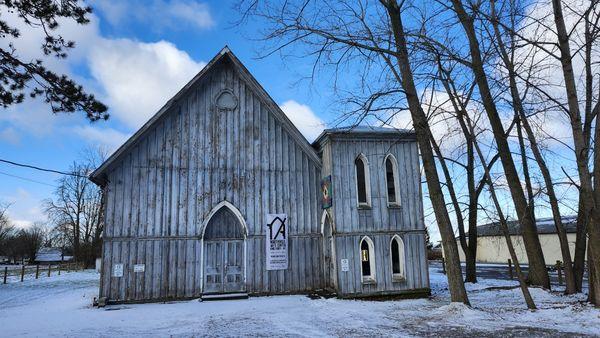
(233,272)
(224,266)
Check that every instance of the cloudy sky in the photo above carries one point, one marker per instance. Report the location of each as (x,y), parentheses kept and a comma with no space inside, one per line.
(134,55)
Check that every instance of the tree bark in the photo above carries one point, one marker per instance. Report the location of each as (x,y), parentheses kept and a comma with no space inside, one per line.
(583,217)
(470,276)
(589,192)
(504,227)
(538,274)
(423,132)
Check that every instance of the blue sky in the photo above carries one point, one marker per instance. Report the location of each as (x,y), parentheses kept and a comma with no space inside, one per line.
(133,56)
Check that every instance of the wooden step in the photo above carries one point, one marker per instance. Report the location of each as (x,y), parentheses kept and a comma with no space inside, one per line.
(224,296)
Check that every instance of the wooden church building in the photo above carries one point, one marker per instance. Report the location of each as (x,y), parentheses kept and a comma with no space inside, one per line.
(219,193)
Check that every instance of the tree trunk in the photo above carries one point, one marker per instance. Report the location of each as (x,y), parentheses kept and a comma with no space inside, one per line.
(589,192)
(538,274)
(504,227)
(470,274)
(583,217)
(421,125)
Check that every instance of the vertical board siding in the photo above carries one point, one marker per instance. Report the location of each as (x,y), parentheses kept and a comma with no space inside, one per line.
(195,156)
(379,222)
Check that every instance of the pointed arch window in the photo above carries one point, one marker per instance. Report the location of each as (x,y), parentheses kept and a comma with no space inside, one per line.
(398,261)
(367,260)
(391,180)
(363,183)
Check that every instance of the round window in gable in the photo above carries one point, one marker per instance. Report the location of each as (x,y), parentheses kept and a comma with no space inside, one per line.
(226,100)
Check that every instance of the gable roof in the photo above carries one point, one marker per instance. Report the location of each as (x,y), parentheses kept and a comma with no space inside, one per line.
(97,175)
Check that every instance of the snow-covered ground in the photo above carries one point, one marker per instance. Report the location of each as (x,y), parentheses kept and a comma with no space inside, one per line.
(61,306)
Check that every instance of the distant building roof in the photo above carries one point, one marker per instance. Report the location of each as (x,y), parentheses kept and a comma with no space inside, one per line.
(49,255)
(544,226)
(365,131)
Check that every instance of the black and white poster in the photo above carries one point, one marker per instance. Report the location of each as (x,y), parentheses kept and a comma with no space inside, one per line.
(277,242)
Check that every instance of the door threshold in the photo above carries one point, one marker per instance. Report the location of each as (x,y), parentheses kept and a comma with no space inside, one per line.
(225,296)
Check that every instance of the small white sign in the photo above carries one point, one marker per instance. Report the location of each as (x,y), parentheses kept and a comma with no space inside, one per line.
(277,242)
(345,265)
(117,270)
(139,268)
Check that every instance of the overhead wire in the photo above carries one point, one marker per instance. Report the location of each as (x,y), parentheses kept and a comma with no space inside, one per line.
(43,169)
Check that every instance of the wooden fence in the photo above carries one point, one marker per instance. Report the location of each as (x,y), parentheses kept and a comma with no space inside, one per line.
(18,273)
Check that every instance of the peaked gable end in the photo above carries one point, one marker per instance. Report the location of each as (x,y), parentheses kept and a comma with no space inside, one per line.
(223,100)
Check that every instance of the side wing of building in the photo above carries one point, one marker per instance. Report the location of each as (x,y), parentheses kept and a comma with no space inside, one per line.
(381,219)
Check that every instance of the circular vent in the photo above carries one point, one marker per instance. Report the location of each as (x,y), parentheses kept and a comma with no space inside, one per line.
(226,100)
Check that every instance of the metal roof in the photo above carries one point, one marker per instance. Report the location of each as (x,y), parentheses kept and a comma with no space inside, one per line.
(366,131)
(544,226)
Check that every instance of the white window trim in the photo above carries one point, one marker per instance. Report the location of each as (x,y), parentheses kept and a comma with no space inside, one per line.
(365,162)
(396,180)
(401,255)
(372,277)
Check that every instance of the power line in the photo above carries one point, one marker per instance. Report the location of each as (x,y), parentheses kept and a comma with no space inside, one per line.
(43,169)
(27,179)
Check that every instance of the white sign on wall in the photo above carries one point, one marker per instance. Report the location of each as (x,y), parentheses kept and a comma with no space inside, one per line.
(117,270)
(139,268)
(277,242)
(345,265)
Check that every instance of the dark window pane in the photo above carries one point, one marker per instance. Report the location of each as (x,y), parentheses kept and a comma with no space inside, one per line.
(360,180)
(389,174)
(395,256)
(365,258)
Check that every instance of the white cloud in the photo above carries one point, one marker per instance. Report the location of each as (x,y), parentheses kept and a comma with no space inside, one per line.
(25,208)
(108,138)
(309,124)
(134,78)
(171,14)
(138,77)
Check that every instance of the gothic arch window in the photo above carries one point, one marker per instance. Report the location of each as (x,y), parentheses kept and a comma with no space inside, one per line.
(398,260)
(367,260)
(391,180)
(363,182)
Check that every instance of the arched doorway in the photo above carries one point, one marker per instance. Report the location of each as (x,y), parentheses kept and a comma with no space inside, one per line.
(224,255)
(328,253)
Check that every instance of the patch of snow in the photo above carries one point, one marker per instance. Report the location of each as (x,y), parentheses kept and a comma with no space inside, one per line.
(61,306)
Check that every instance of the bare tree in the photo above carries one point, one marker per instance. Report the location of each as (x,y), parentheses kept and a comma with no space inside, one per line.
(77,212)
(6,229)
(31,240)
(337,33)
(465,15)
(507,55)
(475,186)
(569,38)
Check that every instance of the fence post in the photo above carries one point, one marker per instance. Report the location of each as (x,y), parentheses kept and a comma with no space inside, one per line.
(443,266)
(59,266)
(5,273)
(37,271)
(22,272)
(49,268)
(510,269)
(559,271)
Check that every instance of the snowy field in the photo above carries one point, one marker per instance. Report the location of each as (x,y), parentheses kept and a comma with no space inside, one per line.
(61,306)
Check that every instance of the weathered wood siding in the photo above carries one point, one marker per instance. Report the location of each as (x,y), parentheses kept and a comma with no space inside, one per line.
(379,222)
(161,190)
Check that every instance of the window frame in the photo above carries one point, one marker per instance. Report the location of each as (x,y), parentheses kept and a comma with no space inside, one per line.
(367,204)
(395,177)
(371,278)
(401,256)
